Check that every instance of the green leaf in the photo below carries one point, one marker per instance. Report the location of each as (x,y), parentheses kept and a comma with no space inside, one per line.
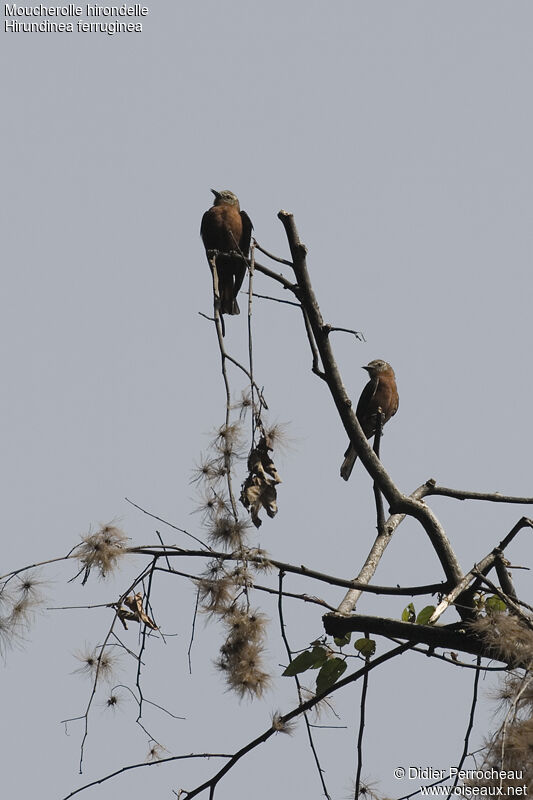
(299,664)
(330,674)
(495,604)
(309,659)
(340,641)
(425,615)
(320,655)
(408,614)
(367,647)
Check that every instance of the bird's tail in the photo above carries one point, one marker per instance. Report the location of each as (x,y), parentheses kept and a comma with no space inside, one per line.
(228,304)
(350,458)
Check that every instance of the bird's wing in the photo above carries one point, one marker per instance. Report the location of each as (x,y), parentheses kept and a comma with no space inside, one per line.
(365,409)
(203,225)
(246,235)
(244,245)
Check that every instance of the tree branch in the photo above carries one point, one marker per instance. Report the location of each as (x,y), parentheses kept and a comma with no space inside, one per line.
(482,567)
(398,502)
(173,551)
(296,712)
(459,494)
(453,637)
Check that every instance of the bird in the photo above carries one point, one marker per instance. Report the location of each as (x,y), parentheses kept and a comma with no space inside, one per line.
(380,393)
(226,232)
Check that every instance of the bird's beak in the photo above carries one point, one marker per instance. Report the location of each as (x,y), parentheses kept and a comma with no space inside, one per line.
(217,194)
(366,367)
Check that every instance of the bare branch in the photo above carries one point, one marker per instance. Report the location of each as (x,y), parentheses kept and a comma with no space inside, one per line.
(144,764)
(272,256)
(305,598)
(411,591)
(505,579)
(483,566)
(371,564)
(277,276)
(358,334)
(459,494)
(276,299)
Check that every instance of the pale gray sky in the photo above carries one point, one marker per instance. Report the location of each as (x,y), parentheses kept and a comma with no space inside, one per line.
(399,134)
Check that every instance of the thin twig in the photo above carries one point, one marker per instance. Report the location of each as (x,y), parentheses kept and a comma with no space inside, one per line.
(193,626)
(146,700)
(364,690)
(526,681)
(240,366)
(454,662)
(144,630)
(380,513)
(277,300)
(166,522)
(250,341)
(219,323)
(101,649)
(163,544)
(145,764)
(418,791)
(272,256)
(470,724)
(358,334)
(9,575)
(298,686)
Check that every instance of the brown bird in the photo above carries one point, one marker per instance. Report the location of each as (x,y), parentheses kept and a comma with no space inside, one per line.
(226,232)
(379,393)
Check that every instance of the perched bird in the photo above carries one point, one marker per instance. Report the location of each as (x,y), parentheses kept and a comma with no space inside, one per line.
(379,393)
(227,231)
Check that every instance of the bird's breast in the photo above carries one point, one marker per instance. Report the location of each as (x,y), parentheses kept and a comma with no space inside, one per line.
(221,228)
